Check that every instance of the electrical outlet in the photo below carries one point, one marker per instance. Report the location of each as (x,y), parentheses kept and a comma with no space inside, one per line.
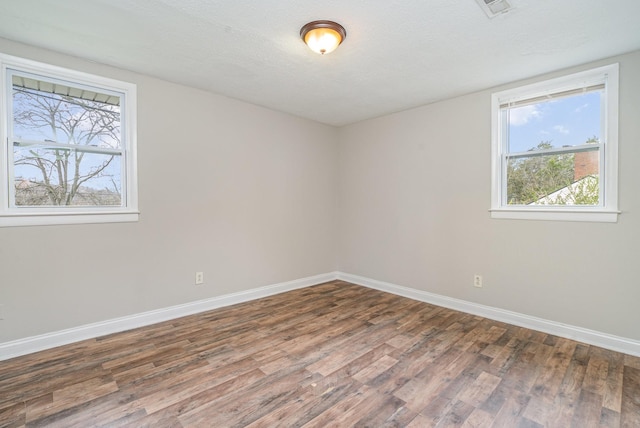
(1,312)
(199,278)
(477,281)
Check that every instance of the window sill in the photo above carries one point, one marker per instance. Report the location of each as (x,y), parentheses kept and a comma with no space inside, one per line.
(11,220)
(600,216)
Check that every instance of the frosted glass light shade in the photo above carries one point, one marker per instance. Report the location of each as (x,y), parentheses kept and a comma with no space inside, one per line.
(323,37)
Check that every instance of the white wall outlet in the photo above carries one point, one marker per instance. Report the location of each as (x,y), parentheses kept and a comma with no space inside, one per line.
(477,281)
(1,312)
(199,278)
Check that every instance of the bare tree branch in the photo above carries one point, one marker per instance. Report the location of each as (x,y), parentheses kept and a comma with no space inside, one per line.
(66,173)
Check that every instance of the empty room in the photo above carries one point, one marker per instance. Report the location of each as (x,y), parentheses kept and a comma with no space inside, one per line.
(319,214)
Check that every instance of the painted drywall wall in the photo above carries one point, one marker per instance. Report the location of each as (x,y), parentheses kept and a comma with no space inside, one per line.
(242,193)
(248,196)
(414,197)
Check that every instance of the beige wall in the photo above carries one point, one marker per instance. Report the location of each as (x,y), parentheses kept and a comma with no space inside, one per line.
(242,193)
(414,198)
(254,197)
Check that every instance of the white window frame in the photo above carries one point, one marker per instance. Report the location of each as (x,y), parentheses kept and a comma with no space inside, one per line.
(607,211)
(55,215)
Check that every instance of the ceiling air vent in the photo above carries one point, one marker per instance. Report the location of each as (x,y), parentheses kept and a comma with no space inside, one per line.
(494,7)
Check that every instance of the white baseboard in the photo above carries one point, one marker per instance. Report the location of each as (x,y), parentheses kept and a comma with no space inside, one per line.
(63,337)
(591,337)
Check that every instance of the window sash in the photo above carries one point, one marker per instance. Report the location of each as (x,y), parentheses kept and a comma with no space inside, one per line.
(544,97)
(18,142)
(556,150)
(40,85)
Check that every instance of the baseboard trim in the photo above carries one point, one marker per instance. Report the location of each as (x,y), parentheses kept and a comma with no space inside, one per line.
(89,331)
(591,337)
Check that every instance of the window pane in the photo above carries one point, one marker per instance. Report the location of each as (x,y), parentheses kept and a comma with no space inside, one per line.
(555,179)
(562,122)
(56,112)
(53,177)
(47,111)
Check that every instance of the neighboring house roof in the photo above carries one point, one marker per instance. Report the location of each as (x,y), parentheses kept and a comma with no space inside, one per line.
(568,194)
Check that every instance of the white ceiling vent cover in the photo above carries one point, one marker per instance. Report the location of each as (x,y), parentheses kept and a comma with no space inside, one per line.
(494,7)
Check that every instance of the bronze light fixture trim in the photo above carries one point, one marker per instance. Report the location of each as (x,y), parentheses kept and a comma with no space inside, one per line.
(323,36)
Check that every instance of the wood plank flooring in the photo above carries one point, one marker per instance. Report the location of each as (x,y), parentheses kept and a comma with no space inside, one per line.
(331,355)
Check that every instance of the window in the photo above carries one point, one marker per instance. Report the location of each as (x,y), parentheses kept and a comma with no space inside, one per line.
(555,149)
(69,153)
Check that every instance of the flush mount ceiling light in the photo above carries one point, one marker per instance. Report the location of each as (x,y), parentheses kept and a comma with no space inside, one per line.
(323,37)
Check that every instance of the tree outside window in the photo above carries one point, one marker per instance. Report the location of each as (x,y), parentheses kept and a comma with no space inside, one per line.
(66,148)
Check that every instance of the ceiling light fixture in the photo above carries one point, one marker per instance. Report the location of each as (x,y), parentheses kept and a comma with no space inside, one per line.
(323,37)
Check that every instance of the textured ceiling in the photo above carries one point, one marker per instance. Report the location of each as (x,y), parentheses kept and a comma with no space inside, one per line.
(398,54)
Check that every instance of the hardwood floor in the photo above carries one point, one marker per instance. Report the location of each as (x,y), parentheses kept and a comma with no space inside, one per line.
(331,355)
